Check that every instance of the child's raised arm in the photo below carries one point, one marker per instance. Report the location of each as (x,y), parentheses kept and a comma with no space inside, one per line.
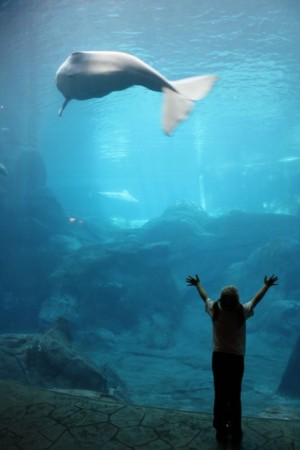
(268,282)
(191,281)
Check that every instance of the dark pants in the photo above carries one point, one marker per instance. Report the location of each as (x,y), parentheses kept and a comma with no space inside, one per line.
(228,370)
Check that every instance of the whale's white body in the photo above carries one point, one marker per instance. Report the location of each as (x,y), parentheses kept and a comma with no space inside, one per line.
(86,75)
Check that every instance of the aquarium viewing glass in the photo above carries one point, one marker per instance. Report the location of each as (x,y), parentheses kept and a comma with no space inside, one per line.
(104,215)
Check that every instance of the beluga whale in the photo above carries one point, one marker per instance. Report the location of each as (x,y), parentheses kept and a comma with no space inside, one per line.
(95,74)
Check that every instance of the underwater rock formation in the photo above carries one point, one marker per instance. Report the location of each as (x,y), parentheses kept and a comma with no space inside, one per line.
(30,216)
(59,305)
(135,280)
(124,284)
(280,315)
(29,209)
(114,286)
(290,382)
(48,360)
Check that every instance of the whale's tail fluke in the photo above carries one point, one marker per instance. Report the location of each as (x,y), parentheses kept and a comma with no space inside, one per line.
(179,103)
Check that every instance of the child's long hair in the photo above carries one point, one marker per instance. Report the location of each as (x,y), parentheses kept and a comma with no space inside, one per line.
(229,301)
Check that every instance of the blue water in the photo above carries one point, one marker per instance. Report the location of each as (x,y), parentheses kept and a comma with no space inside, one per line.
(245,135)
(239,149)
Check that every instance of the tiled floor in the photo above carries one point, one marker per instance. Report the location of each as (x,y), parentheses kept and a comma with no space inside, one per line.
(36,419)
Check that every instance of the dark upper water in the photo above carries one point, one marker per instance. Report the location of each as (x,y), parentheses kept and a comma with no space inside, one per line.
(239,149)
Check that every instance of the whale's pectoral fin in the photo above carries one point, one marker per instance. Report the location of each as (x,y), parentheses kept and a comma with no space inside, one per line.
(63,106)
(175,109)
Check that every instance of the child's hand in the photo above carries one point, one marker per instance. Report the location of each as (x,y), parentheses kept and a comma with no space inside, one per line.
(271,281)
(191,281)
